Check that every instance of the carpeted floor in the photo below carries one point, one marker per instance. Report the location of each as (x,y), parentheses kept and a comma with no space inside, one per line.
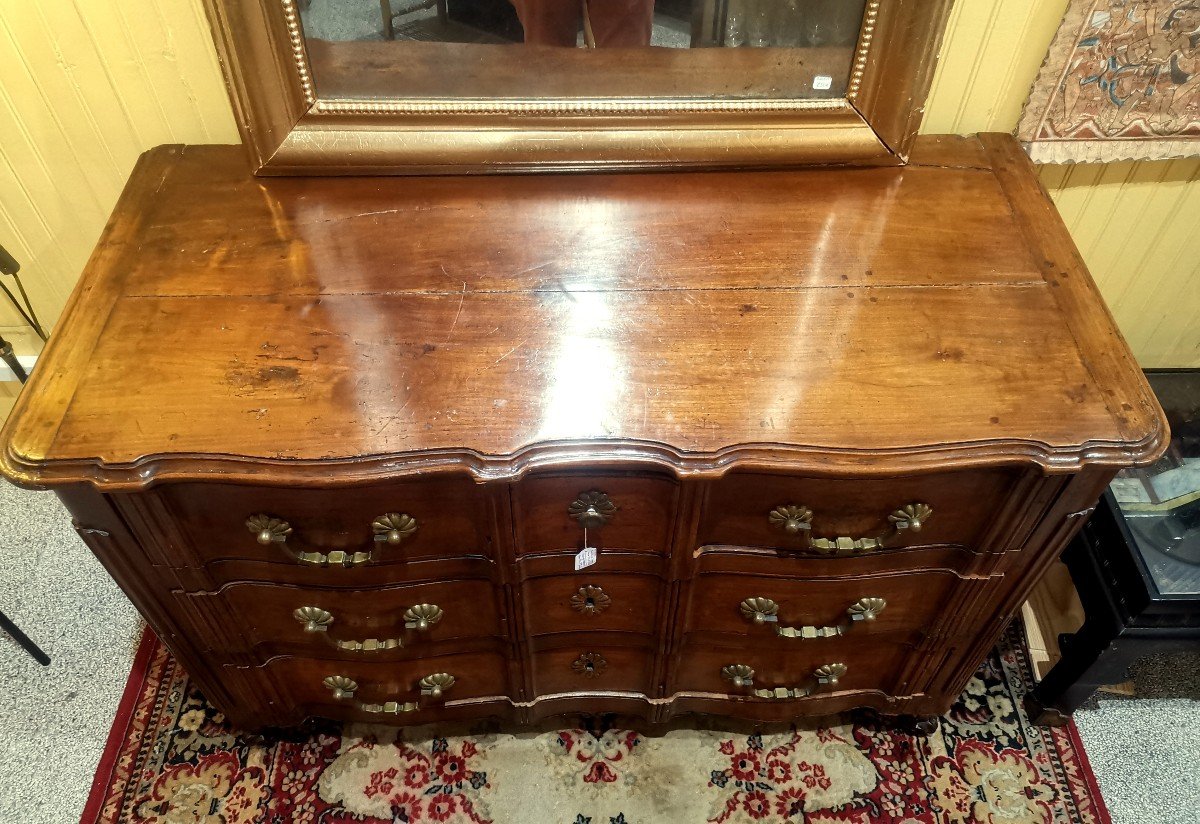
(56,719)
(177,761)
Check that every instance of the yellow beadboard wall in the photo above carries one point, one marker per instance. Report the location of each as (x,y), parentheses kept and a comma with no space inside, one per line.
(1137,224)
(89,84)
(86,86)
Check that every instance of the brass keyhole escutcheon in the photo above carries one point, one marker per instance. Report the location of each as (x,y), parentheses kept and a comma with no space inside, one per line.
(592,509)
(590,600)
(589,664)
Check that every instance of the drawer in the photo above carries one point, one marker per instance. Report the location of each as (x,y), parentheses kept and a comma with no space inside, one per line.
(301,685)
(877,665)
(446,517)
(625,512)
(584,667)
(789,612)
(760,510)
(592,602)
(271,619)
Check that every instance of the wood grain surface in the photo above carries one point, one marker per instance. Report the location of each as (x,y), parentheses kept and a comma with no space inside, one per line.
(934,314)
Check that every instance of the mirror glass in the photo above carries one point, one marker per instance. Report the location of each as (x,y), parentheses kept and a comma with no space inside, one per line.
(539,49)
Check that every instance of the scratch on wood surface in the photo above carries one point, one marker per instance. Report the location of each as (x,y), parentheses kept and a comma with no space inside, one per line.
(391,419)
(510,351)
(462,297)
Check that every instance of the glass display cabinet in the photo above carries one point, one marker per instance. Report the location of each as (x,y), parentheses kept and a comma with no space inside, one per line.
(1136,564)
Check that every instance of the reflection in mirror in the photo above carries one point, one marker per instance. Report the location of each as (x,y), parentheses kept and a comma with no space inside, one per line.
(799,49)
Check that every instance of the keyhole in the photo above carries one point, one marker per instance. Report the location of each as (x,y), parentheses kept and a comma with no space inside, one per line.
(590,667)
(591,602)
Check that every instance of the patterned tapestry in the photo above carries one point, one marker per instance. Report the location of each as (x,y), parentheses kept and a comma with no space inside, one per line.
(1121,82)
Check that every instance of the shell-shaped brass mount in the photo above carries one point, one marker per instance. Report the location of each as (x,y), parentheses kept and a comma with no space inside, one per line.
(393,527)
(792,519)
(435,684)
(590,600)
(421,617)
(759,610)
(829,673)
(590,664)
(740,674)
(268,530)
(592,509)
(314,619)
(911,516)
(866,609)
(341,686)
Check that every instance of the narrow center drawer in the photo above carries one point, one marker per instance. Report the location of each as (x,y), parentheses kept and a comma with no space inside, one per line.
(596,602)
(617,511)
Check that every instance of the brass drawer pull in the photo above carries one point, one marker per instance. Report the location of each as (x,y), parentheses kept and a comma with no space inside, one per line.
(433,686)
(590,600)
(742,677)
(391,528)
(419,617)
(795,520)
(592,509)
(766,611)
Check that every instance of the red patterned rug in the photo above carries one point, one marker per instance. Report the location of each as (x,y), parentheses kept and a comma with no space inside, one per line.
(172,759)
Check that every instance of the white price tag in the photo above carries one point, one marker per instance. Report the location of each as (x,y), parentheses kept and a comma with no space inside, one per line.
(822,82)
(585,557)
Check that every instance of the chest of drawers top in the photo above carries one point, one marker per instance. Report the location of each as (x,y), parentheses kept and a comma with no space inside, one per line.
(325,331)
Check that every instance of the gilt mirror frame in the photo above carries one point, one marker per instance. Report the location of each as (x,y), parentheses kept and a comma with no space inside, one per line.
(290,130)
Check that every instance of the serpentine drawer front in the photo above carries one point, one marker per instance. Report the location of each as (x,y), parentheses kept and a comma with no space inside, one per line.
(609,456)
(386,525)
(397,621)
(758,609)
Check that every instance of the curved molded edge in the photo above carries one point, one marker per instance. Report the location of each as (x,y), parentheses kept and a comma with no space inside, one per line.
(590,455)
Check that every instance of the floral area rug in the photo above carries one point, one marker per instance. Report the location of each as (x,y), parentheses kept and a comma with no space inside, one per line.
(172,759)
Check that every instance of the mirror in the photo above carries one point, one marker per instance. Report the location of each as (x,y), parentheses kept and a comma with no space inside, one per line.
(531,49)
(516,86)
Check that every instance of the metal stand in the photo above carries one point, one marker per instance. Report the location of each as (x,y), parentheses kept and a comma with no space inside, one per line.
(23,639)
(6,354)
(9,266)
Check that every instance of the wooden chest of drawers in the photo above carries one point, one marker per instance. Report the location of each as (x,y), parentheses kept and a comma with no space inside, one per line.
(343,441)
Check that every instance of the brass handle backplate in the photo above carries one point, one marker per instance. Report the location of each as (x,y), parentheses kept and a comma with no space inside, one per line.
(433,686)
(742,677)
(391,528)
(418,617)
(765,611)
(592,509)
(795,521)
